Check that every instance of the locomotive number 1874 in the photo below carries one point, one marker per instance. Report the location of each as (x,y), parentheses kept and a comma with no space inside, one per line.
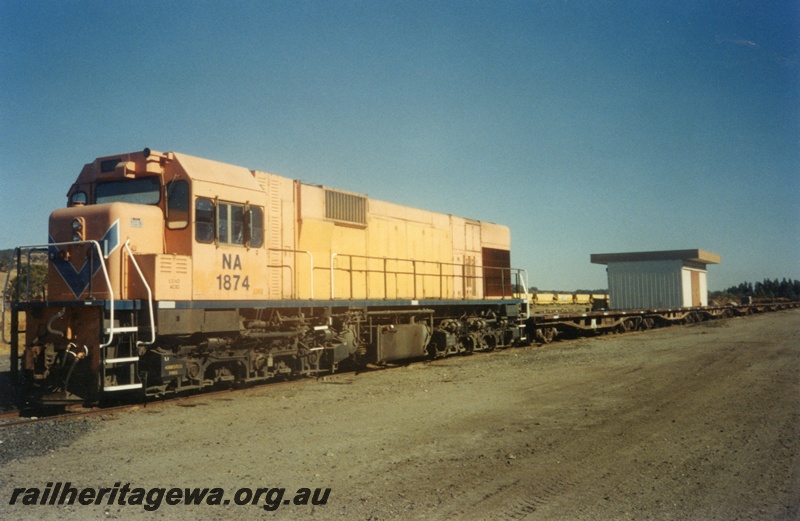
(232,282)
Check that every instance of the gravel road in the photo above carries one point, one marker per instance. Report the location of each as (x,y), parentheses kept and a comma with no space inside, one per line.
(698,422)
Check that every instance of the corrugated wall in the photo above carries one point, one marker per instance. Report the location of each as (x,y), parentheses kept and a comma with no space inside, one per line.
(655,284)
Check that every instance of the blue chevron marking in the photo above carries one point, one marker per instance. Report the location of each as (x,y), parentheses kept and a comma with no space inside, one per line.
(79,279)
(110,240)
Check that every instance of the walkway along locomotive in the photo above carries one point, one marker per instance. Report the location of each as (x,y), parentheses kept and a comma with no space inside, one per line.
(168,272)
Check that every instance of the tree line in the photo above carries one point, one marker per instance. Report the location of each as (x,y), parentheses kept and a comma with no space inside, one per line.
(30,281)
(6,260)
(767,289)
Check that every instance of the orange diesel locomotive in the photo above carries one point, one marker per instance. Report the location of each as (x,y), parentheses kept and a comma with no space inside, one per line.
(168,272)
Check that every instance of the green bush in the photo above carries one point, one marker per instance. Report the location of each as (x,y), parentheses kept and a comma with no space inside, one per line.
(37,275)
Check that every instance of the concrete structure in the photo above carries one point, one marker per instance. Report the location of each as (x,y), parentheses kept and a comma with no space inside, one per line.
(657,279)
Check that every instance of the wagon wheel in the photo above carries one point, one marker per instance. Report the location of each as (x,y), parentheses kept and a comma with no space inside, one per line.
(545,335)
(623,326)
(630,324)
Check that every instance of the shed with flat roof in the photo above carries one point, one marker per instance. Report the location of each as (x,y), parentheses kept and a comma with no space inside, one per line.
(657,279)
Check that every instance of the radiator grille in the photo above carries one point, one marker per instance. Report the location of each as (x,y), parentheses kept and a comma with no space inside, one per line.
(346,208)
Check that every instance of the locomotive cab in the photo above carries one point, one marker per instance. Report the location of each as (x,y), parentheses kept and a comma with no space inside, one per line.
(116,212)
(130,244)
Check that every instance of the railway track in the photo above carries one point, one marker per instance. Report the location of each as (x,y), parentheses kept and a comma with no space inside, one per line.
(549,326)
(14,418)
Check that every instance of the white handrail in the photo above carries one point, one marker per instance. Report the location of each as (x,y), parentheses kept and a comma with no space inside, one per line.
(524,281)
(96,245)
(333,255)
(3,298)
(149,297)
(310,271)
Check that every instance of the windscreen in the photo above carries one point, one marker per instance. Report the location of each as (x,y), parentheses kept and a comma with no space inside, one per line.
(146,190)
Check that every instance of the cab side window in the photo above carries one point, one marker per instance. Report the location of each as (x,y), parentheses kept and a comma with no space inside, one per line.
(228,223)
(204,220)
(78,199)
(255,226)
(177,204)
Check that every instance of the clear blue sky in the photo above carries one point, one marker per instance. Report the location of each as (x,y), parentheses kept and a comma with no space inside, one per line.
(587,126)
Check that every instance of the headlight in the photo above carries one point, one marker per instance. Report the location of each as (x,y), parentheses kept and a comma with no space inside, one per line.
(77,230)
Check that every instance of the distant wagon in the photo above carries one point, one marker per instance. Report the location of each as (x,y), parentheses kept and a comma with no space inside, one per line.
(657,279)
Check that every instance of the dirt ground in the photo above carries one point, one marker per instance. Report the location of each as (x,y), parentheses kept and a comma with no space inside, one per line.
(699,422)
